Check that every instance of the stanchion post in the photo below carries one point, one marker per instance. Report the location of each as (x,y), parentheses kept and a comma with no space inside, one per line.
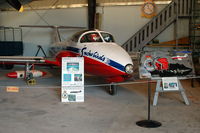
(149,99)
(149,123)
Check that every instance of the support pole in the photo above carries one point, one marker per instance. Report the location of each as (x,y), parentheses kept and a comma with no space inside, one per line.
(91,13)
(149,100)
(149,123)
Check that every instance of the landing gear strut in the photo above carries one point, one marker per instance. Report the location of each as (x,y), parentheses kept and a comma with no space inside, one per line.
(112,89)
(28,76)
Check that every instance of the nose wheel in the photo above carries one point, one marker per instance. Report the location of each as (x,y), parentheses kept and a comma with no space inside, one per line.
(112,90)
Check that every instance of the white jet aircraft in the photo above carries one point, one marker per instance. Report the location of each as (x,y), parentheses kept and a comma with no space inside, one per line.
(102,56)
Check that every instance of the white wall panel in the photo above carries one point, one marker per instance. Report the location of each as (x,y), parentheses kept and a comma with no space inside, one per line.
(122,21)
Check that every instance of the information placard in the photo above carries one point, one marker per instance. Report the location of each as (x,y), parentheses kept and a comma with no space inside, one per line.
(72,94)
(72,79)
(170,83)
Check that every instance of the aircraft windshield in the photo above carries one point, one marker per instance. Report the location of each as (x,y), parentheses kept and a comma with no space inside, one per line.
(76,36)
(107,37)
(91,37)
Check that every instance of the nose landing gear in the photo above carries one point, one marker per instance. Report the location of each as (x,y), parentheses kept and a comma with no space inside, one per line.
(112,89)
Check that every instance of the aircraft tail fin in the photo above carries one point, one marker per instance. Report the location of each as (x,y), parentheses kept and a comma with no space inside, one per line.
(56,37)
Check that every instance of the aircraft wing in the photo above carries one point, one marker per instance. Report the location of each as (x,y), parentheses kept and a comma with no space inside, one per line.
(21,59)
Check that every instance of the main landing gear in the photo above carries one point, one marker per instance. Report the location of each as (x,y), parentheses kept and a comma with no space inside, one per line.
(112,89)
(28,75)
(30,79)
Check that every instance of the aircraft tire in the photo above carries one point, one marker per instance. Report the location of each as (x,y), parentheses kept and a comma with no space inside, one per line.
(112,90)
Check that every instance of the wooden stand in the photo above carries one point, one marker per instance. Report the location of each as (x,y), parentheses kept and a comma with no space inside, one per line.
(159,88)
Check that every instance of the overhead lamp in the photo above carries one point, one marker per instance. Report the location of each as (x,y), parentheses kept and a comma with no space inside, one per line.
(16,4)
(21,9)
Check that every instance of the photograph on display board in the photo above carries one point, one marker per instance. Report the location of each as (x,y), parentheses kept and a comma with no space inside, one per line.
(72,97)
(72,66)
(166,64)
(67,77)
(78,77)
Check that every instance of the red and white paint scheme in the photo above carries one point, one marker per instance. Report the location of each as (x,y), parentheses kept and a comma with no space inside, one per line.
(102,56)
(20,74)
(179,57)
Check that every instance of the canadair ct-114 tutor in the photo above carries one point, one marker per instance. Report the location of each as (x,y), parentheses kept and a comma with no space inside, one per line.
(102,56)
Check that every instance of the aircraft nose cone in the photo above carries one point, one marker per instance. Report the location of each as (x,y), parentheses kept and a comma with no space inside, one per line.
(116,53)
(12,75)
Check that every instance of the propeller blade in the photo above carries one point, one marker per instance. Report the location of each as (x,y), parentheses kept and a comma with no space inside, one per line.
(16,4)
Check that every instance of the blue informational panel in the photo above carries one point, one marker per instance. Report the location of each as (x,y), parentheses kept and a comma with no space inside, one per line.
(72,79)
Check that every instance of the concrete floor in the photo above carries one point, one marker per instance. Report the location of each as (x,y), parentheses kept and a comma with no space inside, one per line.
(37,109)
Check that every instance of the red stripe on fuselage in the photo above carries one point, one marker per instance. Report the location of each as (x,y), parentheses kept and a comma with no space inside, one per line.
(98,68)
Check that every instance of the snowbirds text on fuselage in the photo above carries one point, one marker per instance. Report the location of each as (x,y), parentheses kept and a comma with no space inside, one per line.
(102,56)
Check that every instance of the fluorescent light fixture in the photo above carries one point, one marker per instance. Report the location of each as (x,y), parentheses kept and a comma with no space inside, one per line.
(21,9)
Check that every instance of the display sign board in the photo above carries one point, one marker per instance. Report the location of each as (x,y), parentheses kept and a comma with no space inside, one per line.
(170,83)
(72,79)
(159,63)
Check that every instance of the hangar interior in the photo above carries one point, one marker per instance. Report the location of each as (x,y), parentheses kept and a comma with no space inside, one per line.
(174,25)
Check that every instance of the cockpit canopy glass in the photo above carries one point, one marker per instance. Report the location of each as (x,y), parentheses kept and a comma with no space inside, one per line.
(107,37)
(91,37)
